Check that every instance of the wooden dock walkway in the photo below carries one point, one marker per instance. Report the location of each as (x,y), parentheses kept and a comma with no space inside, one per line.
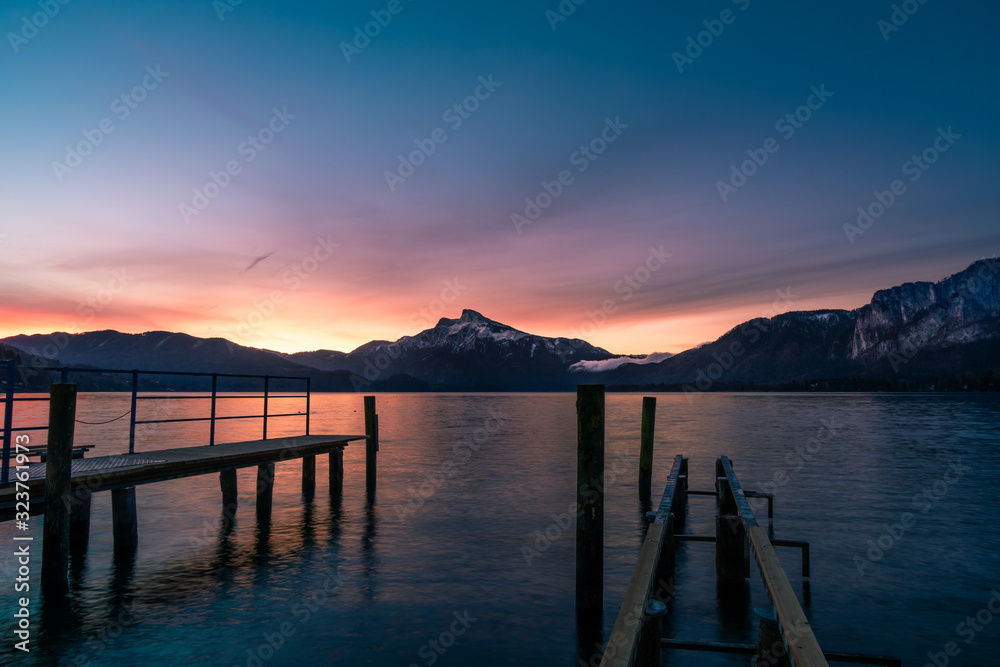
(106,473)
(785,636)
(63,486)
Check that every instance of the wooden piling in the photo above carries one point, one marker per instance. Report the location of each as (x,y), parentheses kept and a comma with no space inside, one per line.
(590,499)
(230,496)
(371,444)
(724,495)
(308,476)
(730,541)
(666,564)
(681,497)
(646,447)
(336,474)
(79,523)
(265,490)
(124,522)
(58,469)
(649,637)
(770,646)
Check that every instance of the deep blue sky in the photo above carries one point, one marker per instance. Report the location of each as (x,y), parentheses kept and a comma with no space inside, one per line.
(324,174)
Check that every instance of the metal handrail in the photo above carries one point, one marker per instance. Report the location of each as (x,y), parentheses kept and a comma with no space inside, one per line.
(8,399)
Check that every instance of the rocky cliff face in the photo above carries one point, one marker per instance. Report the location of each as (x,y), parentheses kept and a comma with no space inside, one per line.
(916,331)
(913,317)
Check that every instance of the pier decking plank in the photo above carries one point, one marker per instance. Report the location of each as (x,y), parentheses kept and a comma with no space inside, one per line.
(127,470)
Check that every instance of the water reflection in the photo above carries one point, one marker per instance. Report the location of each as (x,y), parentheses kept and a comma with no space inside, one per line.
(461,547)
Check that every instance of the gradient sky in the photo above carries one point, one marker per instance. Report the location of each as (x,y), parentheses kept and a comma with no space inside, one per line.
(66,236)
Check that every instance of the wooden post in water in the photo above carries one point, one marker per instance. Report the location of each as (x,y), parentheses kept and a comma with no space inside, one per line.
(730,546)
(230,496)
(265,490)
(649,636)
(79,523)
(58,469)
(680,516)
(309,476)
(124,522)
(770,646)
(336,474)
(666,566)
(646,448)
(371,443)
(725,498)
(590,499)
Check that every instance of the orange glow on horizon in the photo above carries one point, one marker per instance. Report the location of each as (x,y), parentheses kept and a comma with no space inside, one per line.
(312,324)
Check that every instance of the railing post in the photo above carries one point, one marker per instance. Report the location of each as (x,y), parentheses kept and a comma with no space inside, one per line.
(308,397)
(646,447)
(58,472)
(267,380)
(8,419)
(590,499)
(371,444)
(211,428)
(131,430)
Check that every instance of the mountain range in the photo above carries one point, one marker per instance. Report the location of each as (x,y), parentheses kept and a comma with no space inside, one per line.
(916,333)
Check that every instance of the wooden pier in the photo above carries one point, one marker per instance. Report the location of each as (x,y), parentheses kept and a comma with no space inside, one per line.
(785,637)
(63,485)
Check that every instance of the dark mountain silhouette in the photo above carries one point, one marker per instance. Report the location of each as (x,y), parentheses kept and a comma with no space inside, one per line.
(472,352)
(916,333)
(922,334)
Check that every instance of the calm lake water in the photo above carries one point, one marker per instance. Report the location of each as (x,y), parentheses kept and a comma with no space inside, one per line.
(364,584)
